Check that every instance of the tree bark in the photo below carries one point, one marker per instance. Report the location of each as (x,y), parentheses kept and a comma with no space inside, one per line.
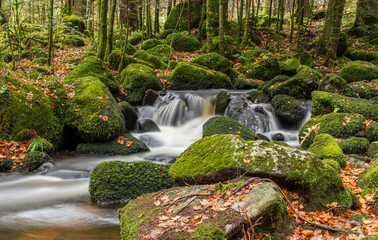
(240,20)
(209,15)
(51,44)
(157,12)
(102,39)
(221,28)
(169,7)
(246,24)
(366,18)
(109,45)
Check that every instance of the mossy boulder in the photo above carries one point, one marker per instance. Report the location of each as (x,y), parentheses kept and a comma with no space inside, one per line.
(365,89)
(264,68)
(324,102)
(129,113)
(178,17)
(372,131)
(363,55)
(122,145)
(357,145)
(34,160)
(74,41)
(150,43)
(24,106)
(359,70)
(373,150)
(221,102)
(257,97)
(335,84)
(221,157)
(369,178)
(136,79)
(289,66)
(34,53)
(245,83)
(6,164)
(305,58)
(230,46)
(152,59)
(172,64)
(338,125)
(136,38)
(115,59)
(288,109)
(94,67)
(226,125)
(326,147)
(118,181)
(183,43)
(73,23)
(162,51)
(213,61)
(192,77)
(91,110)
(266,86)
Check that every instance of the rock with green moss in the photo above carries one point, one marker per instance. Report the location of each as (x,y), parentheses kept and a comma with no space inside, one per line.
(373,150)
(230,46)
(183,43)
(92,111)
(115,59)
(150,43)
(117,181)
(172,64)
(289,66)
(335,84)
(369,178)
(305,58)
(221,157)
(338,125)
(359,70)
(40,60)
(266,86)
(333,163)
(74,41)
(221,102)
(35,76)
(372,131)
(263,202)
(122,145)
(162,51)
(179,15)
(6,164)
(129,113)
(34,53)
(245,83)
(136,38)
(24,106)
(288,109)
(363,55)
(73,23)
(165,33)
(187,76)
(365,89)
(155,61)
(34,160)
(226,125)
(257,97)
(213,61)
(326,147)
(94,67)
(265,68)
(356,145)
(136,79)
(324,102)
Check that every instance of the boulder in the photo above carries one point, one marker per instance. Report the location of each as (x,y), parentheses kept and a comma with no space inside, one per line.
(129,113)
(213,61)
(262,68)
(34,160)
(257,97)
(369,178)
(335,84)
(278,137)
(288,109)
(221,102)
(359,70)
(363,55)
(147,125)
(289,66)
(74,41)
(183,43)
(151,59)
(162,51)
(326,147)
(244,83)
(115,59)
(373,150)
(136,38)
(151,43)
(372,131)
(305,58)
(266,86)
(357,145)
(73,23)
(365,89)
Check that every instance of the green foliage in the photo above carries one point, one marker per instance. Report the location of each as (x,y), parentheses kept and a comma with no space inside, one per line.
(73,24)
(172,64)
(244,83)
(34,160)
(183,43)
(155,61)
(74,41)
(372,131)
(356,145)
(41,60)
(115,59)
(6,164)
(41,145)
(326,147)
(35,76)
(358,70)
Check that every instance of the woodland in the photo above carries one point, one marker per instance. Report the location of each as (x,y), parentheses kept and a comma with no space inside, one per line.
(189,119)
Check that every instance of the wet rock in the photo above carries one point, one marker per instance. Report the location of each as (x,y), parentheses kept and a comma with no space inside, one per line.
(278,137)
(257,97)
(69,174)
(147,125)
(150,97)
(263,137)
(236,107)
(221,102)
(129,113)
(150,141)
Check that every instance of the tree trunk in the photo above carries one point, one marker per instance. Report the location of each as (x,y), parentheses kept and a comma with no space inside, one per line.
(245,35)
(109,45)
(366,19)
(69,7)
(169,7)
(240,20)
(270,12)
(51,44)
(221,28)
(157,12)
(148,20)
(129,13)
(209,15)
(189,17)
(102,35)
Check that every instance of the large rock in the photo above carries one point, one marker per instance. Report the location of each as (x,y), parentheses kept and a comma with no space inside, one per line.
(358,70)
(262,68)
(221,157)
(129,113)
(324,102)
(91,110)
(115,59)
(372,131)
(147,218)
(289,66)
(213,61)
(335,84)
(183,43)
(162,51)
(357,145)
(177,14)
(74,24)
(151,59)
(369,178)
(365,89)
(151,43)
(326,147)
(288,109)
(117,181)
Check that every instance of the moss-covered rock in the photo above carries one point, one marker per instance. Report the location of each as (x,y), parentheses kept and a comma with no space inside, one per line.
(213,61)
(359,70)
(92,111)
(266,86)
(73,23)
(6,164)
(365,89)
(372,131)
(162,51)
(165,33)
(34,160)
(129,113)
(155,61)
(333,163)
(118,181)
(230,46)
(245,83)
(356,145)
(369,178)
(324,102)
(221,102)
(136,79)
(172,64)
(288,109)
(305,58)
(40,60)
(178,17)
(220,157)
(115,59)
(35,76)
(226,125)
(34,53)
(94,67)
(187,76)
(289,66)
(183,43)
(257,97)
(373,150)
(74,41)
(326,147)
(363,55)
(338,125)
(24,106)
(150,43)
(335,84)
(136,38)
(264,68)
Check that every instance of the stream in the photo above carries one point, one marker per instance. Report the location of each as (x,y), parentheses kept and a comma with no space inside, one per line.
(57,205)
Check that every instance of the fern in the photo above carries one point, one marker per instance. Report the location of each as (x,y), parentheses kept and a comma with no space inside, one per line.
(308,132)
(40,144)
(27,133)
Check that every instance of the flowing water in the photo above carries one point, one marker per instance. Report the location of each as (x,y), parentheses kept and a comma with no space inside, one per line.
(56,204)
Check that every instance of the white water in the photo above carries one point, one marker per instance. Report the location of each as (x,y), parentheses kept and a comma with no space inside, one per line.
(58,205)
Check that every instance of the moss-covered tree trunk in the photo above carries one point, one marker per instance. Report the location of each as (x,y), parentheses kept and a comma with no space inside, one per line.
(109,45)
(240,20)
(102,35)
(189,17)
(209,16)
(129,13)
(221,27)
(169,7)
(157,12)
(329,39)
(51,17)
(148,20)
(246,25)
(366,22)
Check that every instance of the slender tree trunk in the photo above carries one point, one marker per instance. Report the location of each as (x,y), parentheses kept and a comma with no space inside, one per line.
(189,16)
(202,27)
(140,11)
(366,19)
(221,28)
(109,45)
(51,43)
(102,40)
(169,7)
(157,12)
(292,21)
(209,15)
(257,12)
(240,20)
(148,20)
(245,35)
(270,12)
(69,7)
(121,64)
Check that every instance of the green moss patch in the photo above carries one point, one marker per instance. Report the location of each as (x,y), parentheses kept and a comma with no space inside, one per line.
(152,59)
(356,145)
(369,178)
(365,89)
(162,51)
(358,70)
(183,43)
(73,23)
(150,43)
(74,41)
(372,131)
(289,66)
(288,109)
(326,147)
(363,55)
(335,84)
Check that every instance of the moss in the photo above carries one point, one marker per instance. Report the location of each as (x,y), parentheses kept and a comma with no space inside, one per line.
(326,147)
(333,163)
(363,55)
(257,97)
(172,64)
(154,60)
(358,70)
(323,103)
(121,181)
(335,84)
(372,131)
(365,89)
(74,41)
(136,79)
(165,33)
(183,43)
(221,102)
(129,113)
(178,17)
(373,150)
(343,45)
(264,68)
(213,61)
(151,43)
(338,125)
(35,76)
(230,46)
(92,111)
(244,83)
(34,53)
(73,23)
(186,76)
(358,217)
(288,109)
(226,125)
(136,38)
(6,164)
(34,160)
(94,67)
(369,178)
(162,51)
(289,66)
(40,60)
(305,58)
(209,231)
(354,145)
(115,59)
(265,87)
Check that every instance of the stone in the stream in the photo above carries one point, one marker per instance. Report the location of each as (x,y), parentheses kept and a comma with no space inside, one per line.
(151,217)
(222,157)
(119,182)
(147,125)
(34,160)
(359,70)
(221,102)
(288,109)
(129,113)
(257,97)
(326,147)
(278,137)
